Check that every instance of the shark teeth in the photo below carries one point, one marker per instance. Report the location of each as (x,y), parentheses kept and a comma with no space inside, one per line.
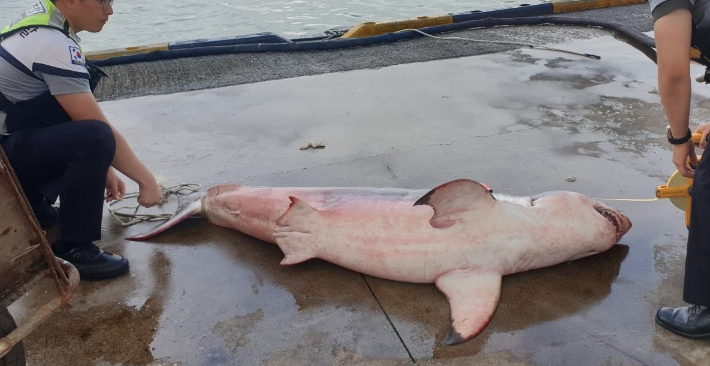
(614,220)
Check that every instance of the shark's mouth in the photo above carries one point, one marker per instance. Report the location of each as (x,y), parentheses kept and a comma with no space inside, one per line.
(613,218)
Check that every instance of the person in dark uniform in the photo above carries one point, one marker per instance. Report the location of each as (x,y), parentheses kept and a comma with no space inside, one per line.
(677,25)
(57,139)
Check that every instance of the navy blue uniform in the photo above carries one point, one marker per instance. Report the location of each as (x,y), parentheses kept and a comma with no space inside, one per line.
(52,155)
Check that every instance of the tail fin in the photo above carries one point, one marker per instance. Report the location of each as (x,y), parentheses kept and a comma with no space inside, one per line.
(191,207)
(292,234)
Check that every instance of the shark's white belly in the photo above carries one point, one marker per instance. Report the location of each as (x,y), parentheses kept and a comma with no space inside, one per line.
(398,243)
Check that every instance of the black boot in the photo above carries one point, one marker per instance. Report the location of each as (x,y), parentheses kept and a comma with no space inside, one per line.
(690,321)
(91,262)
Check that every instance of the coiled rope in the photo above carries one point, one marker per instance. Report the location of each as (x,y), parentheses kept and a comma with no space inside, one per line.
(132,218)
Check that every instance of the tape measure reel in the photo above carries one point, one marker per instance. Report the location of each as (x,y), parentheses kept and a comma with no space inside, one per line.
(678,190)
(678,181)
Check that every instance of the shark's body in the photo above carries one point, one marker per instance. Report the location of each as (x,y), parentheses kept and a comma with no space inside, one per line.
(465,244)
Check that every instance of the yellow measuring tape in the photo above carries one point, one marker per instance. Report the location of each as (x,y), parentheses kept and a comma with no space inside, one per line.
(628,199)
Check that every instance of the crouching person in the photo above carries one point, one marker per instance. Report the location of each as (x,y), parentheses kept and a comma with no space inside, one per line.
(57,139)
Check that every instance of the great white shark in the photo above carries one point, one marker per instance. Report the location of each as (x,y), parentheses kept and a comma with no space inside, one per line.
(460,235)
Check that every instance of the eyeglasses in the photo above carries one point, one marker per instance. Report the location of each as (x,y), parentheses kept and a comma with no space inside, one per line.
(107,3)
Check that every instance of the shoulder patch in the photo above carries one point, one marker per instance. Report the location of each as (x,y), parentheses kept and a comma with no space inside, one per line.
(77,57)
(37,8)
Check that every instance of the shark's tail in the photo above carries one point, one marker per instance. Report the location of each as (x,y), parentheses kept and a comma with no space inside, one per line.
(190,207)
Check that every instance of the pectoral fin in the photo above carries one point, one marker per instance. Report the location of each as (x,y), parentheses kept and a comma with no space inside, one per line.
(473,298)
(293,233)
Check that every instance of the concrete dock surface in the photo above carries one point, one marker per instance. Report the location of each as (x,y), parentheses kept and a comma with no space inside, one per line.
(522,120)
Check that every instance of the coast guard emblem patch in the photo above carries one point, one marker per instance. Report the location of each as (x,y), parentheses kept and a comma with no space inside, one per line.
(37,8)
(77,58)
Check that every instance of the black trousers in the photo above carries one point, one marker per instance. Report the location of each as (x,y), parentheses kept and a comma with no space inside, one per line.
(696,289)
(68,160)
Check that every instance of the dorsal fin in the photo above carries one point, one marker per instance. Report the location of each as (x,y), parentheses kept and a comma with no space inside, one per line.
(450,200)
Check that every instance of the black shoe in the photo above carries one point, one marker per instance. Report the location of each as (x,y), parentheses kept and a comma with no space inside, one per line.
(93,263)
(690,321)
(45,212)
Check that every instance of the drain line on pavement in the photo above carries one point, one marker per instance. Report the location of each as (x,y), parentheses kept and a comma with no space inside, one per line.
(388,319)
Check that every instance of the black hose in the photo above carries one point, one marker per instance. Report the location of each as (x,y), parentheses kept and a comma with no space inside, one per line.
(635,38)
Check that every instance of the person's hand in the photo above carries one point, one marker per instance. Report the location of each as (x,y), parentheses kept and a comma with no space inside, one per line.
(681,153)
(704,129)
(115,188)
(150,194)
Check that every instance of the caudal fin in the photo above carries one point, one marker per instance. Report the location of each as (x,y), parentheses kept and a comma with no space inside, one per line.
(185,209)
(293,231)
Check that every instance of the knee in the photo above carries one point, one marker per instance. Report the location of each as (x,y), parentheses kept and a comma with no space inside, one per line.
(99,137)
(99,133)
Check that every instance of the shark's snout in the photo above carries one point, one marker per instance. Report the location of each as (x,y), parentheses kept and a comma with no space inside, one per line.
(618,220)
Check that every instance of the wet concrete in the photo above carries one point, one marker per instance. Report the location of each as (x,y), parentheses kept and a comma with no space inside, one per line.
(522,121)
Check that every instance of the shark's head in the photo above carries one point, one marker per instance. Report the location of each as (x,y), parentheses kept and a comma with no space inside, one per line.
(618,220)
(609,222)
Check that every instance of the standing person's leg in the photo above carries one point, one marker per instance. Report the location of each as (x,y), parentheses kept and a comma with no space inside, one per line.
(696,289)
(694,321)
(70,160)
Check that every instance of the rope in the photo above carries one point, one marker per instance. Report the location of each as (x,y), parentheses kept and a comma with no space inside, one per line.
(524,44)
(128,219)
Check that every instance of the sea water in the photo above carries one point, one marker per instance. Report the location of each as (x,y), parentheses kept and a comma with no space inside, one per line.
(141,22)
